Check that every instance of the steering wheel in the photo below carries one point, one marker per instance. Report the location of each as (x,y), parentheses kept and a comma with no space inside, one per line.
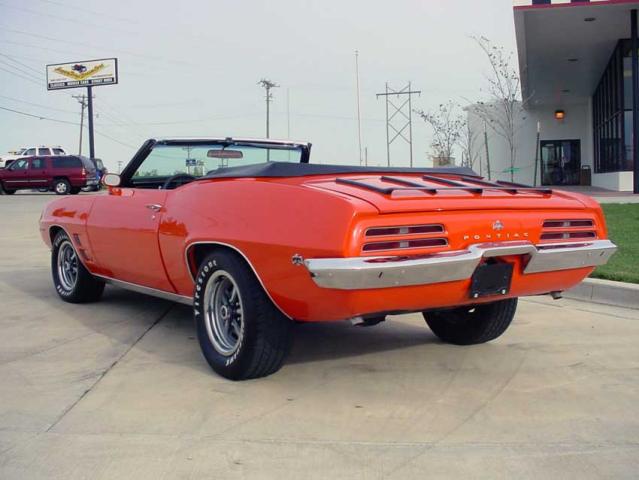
(170,180)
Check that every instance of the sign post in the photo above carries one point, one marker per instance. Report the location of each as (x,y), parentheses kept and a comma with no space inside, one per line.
(87,74)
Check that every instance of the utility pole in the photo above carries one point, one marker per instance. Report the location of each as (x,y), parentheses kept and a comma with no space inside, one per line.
(536,153)
(359,116)
(268,85)
(82,100)
(90,111)
(404,110)
(487,152)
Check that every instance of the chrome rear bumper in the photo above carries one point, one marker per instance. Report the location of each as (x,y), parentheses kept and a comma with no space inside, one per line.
(357,273)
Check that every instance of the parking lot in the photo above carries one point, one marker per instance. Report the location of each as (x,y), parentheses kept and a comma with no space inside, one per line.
(119,389)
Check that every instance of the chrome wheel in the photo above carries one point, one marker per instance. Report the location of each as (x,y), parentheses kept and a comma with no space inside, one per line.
(224,313)
(67,266)
(61,188)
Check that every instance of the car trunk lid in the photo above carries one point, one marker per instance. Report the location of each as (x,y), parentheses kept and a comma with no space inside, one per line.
(437,192)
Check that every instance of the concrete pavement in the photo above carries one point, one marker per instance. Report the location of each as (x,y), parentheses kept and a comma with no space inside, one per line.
(119,389)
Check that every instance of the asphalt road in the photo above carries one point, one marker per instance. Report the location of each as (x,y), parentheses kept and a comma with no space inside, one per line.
(119,389)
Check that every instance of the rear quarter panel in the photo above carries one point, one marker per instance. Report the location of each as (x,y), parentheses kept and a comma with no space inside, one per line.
(268,222)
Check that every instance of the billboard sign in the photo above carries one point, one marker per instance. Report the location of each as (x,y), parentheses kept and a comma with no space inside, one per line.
(89,73)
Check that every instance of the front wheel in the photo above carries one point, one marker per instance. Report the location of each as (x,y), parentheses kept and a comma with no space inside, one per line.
(4,190)
(241,333)
(72,281)
(474,324)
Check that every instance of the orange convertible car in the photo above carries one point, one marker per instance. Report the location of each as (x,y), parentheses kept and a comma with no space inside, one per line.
(253,236)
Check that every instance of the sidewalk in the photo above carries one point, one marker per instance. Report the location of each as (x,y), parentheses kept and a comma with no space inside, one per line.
(601,194)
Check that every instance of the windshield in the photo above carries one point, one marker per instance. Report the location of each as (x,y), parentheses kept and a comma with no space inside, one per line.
(199,159)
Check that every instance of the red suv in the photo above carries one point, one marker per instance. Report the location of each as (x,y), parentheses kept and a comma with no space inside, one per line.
(63,174)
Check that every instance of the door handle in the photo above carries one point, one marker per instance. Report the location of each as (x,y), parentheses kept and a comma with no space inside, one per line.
(154,207)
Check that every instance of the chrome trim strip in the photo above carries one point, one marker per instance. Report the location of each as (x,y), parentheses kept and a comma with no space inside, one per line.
(174,297)
(233,247)
(358,273)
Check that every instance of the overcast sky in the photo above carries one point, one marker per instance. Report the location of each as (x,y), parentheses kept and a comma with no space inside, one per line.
(191,68)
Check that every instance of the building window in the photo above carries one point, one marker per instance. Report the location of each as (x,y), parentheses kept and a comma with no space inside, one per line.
(612,113)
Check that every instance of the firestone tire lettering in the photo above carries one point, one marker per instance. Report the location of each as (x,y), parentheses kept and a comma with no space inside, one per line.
(266,334)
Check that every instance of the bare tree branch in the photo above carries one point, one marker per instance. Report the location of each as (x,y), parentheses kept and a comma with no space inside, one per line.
(504,107)
(447,126)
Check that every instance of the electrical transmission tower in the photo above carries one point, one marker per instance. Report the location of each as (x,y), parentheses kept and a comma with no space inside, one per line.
(404,113)
(82,100)
(268,85)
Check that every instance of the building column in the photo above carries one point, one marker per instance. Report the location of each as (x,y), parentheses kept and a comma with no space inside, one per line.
(635,99)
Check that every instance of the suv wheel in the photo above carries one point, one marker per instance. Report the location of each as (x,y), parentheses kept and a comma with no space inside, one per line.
(473,324)
(6,191)
(241,333)
(72,281)
(61,186)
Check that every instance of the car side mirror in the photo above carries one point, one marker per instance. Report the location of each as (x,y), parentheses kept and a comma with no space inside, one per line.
(111,180)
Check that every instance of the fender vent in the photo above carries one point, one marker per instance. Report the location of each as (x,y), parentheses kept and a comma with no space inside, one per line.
(576,229)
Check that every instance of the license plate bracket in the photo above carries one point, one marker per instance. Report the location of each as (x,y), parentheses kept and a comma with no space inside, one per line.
(491,279)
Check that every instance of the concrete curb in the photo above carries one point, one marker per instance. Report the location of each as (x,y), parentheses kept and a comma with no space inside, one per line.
(607,292)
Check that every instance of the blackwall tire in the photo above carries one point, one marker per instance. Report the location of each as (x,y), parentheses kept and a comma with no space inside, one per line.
(4,191)
(241,333)
(72,281)
(472,325)
(61,187)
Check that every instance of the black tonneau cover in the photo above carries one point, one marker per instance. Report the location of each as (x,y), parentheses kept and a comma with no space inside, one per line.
(286,169)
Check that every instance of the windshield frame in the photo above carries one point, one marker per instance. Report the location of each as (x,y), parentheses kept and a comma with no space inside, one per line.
(148,146)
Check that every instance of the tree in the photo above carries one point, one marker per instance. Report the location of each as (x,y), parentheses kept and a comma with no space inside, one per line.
(504,107)
(447,126)
(469,142)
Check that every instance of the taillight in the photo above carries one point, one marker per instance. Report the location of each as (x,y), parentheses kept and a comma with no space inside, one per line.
(404,237)
(576,229)
(84,172)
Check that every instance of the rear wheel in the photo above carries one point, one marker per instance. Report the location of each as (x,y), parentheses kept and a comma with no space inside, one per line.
(61,186)
(72,281)
(241,333)
(474,324)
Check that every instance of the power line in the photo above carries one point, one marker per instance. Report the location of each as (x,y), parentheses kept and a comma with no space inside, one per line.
(29,79)
(21,71)
(38,105)
(92,12)
(12,58)
(63,19)
(109,47)
(116,141)
(39,117)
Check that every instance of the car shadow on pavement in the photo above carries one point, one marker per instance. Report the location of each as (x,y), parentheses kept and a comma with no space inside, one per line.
(311,341)
(323,341)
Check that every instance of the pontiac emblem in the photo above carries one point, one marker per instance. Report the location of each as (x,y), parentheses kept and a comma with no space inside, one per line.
(497,225)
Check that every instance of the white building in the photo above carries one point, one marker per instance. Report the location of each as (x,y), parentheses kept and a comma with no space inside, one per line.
(575,61)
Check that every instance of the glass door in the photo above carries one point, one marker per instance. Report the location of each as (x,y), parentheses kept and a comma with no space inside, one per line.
(560,162)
